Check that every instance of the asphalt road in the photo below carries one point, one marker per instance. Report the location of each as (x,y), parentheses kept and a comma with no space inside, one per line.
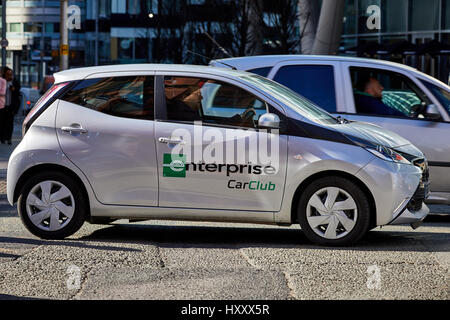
(184,260)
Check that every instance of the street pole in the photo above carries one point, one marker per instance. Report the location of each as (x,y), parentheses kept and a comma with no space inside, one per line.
(3,32)
(329,29)
(96,33)
(29,61)
(41,44)
(63,37)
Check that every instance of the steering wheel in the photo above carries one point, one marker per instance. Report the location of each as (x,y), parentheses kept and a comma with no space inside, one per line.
(247,116)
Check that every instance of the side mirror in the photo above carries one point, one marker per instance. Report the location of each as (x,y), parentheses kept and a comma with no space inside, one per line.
(269,121)
(432,112)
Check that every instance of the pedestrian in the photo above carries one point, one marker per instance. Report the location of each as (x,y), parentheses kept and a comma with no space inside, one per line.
(3,85)
(11,104)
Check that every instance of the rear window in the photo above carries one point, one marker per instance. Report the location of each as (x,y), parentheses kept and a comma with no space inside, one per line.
(314,82)
(127,97)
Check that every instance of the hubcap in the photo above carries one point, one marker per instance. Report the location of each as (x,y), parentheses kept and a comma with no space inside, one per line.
(331,213)
(50,205)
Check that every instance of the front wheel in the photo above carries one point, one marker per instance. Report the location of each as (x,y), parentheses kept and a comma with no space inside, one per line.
(52,206)
(333,211)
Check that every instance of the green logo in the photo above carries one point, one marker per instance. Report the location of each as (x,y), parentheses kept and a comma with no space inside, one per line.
(174,165)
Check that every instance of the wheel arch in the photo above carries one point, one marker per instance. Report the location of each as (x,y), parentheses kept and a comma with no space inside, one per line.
(51,167)
(342,174)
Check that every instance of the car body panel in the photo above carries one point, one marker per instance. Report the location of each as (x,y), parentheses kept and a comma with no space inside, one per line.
(116,154)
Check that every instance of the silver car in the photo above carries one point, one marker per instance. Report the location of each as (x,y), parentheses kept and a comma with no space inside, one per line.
(202,143)
(391,95)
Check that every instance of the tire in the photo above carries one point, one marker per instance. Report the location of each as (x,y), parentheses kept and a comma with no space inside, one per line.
(339,222)
(49,218)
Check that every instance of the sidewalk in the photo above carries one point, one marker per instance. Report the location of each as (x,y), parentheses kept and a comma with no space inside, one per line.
(5,152)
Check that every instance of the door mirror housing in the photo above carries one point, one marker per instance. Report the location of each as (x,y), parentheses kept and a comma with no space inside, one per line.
(269,121)
(432,112)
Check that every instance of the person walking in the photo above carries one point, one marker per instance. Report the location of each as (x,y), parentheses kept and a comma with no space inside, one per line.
(11,105)
(3,85)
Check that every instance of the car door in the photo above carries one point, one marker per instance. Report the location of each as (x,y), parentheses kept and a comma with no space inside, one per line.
(403,93)
(105,127)
(317,80)
(205,141)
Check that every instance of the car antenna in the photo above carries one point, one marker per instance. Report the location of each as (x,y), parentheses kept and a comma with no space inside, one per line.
(217,44)
(209,59)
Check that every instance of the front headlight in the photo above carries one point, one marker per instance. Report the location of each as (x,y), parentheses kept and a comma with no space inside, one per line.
(380,151)
(388,154)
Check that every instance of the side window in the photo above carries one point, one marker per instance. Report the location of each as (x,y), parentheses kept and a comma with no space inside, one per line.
(442,95)
(314,82)
(128,97)
(211,101)
(382,92)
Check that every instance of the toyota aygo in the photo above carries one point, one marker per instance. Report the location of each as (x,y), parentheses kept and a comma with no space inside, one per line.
(180,142)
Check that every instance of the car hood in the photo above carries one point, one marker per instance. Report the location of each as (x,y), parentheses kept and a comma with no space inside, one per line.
(377,135)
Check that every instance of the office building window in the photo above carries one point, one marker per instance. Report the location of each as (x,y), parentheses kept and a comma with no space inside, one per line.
(394,16)
(50,27)
(446,10)
(118,6)
(350,15)
(104,8)
(15,27)
(134,7)
(424,15)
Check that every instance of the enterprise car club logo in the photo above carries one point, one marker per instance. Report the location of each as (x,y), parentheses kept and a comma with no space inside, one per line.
(175,166)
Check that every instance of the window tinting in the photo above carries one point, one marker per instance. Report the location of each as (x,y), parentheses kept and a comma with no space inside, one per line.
(197,99)
(264,71)
(314,82)
(128,97)
(388,93)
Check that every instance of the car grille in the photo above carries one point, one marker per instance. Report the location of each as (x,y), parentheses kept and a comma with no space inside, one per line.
(422,192)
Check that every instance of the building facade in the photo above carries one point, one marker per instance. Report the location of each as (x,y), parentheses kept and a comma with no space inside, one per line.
(139,31)
(32,30)
(416,21)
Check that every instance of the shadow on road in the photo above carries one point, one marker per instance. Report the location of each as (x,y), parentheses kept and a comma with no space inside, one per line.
(68,243)
(10,297)
(228,237)
(8,255)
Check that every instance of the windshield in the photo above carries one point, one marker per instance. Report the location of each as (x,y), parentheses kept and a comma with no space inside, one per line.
(293,100)
(441,94)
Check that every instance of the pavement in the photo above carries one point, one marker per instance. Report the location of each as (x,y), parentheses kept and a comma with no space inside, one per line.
(187,260)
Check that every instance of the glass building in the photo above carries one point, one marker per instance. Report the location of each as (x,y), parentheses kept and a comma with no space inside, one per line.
(417,21)
(124,31)
(136,31)
(32,30)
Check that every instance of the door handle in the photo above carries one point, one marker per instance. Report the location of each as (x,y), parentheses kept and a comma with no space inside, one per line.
(170,141)
(74,128)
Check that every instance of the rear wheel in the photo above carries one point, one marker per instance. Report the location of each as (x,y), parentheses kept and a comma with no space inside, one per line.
(333,211)
(52,206)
